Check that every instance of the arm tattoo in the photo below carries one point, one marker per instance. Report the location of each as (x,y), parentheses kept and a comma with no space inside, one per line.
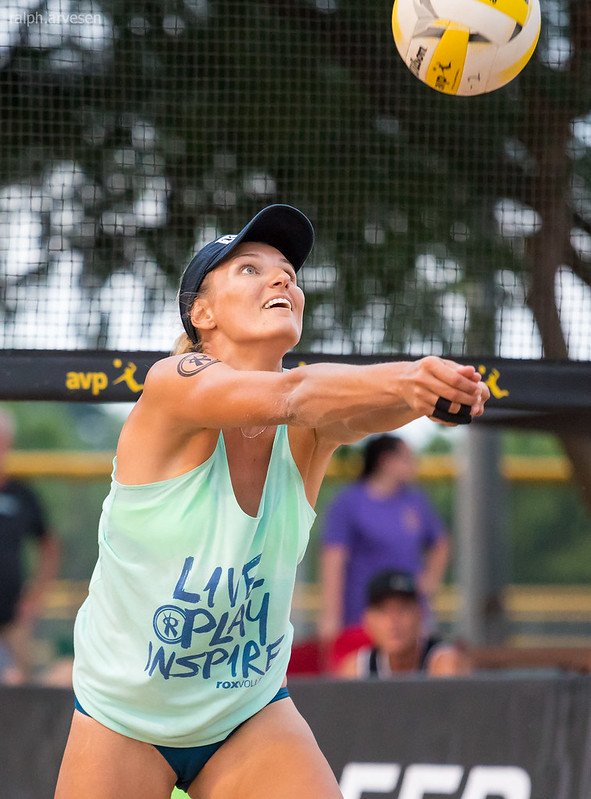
(193,363)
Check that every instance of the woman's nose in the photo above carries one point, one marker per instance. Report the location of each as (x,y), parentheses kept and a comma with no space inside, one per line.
(280,278)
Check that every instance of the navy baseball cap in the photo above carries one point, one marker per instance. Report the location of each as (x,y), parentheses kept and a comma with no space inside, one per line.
(391,583)
(282,226)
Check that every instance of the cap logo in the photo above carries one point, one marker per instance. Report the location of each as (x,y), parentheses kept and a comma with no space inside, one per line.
(225,239)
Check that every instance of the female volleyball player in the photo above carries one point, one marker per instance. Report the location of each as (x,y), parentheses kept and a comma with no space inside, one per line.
(183,644)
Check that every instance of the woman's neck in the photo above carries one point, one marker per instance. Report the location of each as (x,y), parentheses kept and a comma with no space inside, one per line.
(380,486)
(404,661)
(247,358)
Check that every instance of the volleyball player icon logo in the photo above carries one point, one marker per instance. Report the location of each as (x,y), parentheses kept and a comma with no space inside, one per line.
(491,380)
(128,376)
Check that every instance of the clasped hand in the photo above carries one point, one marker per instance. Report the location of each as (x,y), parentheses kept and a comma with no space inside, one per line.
(433,379)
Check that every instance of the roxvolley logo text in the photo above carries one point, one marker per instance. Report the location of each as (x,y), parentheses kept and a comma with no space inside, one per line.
(236,683)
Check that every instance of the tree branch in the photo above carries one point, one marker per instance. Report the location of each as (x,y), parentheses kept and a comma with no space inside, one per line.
(581,269)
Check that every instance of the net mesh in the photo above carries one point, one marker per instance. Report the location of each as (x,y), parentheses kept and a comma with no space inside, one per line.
(134,132)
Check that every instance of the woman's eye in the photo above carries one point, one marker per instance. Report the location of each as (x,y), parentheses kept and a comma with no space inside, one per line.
(249,270)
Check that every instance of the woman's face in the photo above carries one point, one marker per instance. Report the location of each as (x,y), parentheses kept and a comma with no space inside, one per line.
(395,624)
(252,296)
(401,464)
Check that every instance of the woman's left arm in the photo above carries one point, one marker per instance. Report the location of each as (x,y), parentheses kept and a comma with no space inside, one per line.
(355,428)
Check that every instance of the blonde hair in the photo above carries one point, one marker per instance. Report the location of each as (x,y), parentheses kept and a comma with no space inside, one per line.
(183,344)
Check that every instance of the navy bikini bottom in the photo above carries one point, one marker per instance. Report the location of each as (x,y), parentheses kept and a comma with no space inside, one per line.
(187,762)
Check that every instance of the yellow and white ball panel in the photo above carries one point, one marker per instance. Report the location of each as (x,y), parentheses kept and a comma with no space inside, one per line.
(480,53)
(449,65)
(481,18)
(512,57)
(404,23)
(497,20)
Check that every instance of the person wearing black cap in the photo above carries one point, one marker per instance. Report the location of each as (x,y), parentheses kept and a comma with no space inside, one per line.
(393,623)
(182,646)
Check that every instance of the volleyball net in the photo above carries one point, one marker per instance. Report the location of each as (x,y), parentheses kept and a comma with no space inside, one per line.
(133,133)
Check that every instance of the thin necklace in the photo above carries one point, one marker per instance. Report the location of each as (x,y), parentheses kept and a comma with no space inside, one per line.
(256,435)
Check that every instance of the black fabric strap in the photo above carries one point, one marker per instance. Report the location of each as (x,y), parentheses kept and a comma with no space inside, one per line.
(373,663)
(442,412)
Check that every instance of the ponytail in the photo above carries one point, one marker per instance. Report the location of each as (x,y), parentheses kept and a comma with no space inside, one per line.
(183,344)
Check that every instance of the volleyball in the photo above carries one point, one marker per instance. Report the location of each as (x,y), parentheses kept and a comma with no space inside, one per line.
(466,47)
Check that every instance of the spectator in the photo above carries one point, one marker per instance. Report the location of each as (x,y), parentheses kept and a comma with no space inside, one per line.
(21,517)
(58,674)
(392,621)
(381,521)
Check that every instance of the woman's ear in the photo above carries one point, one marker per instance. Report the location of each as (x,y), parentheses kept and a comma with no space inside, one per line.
(202,315)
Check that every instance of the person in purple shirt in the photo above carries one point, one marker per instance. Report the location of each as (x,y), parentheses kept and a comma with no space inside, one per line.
(381,521)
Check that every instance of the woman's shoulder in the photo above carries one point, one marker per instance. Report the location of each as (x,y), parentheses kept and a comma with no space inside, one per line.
(355,664)
(166,380)
(183,365)
(447,659)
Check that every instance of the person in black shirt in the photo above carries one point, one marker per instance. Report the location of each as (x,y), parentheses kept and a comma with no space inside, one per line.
(21,518)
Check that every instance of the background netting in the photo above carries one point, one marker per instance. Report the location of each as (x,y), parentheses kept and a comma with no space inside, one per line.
(134,132)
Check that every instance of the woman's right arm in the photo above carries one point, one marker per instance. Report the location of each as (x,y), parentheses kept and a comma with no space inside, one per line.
(202,394)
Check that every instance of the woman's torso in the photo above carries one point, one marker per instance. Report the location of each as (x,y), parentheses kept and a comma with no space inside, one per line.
(168,449)
(186,629)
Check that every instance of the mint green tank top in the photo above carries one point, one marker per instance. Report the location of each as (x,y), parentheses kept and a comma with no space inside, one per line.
(185,632)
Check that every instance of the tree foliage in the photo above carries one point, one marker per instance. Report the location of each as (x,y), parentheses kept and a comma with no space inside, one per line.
(128,141)
(168,121)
